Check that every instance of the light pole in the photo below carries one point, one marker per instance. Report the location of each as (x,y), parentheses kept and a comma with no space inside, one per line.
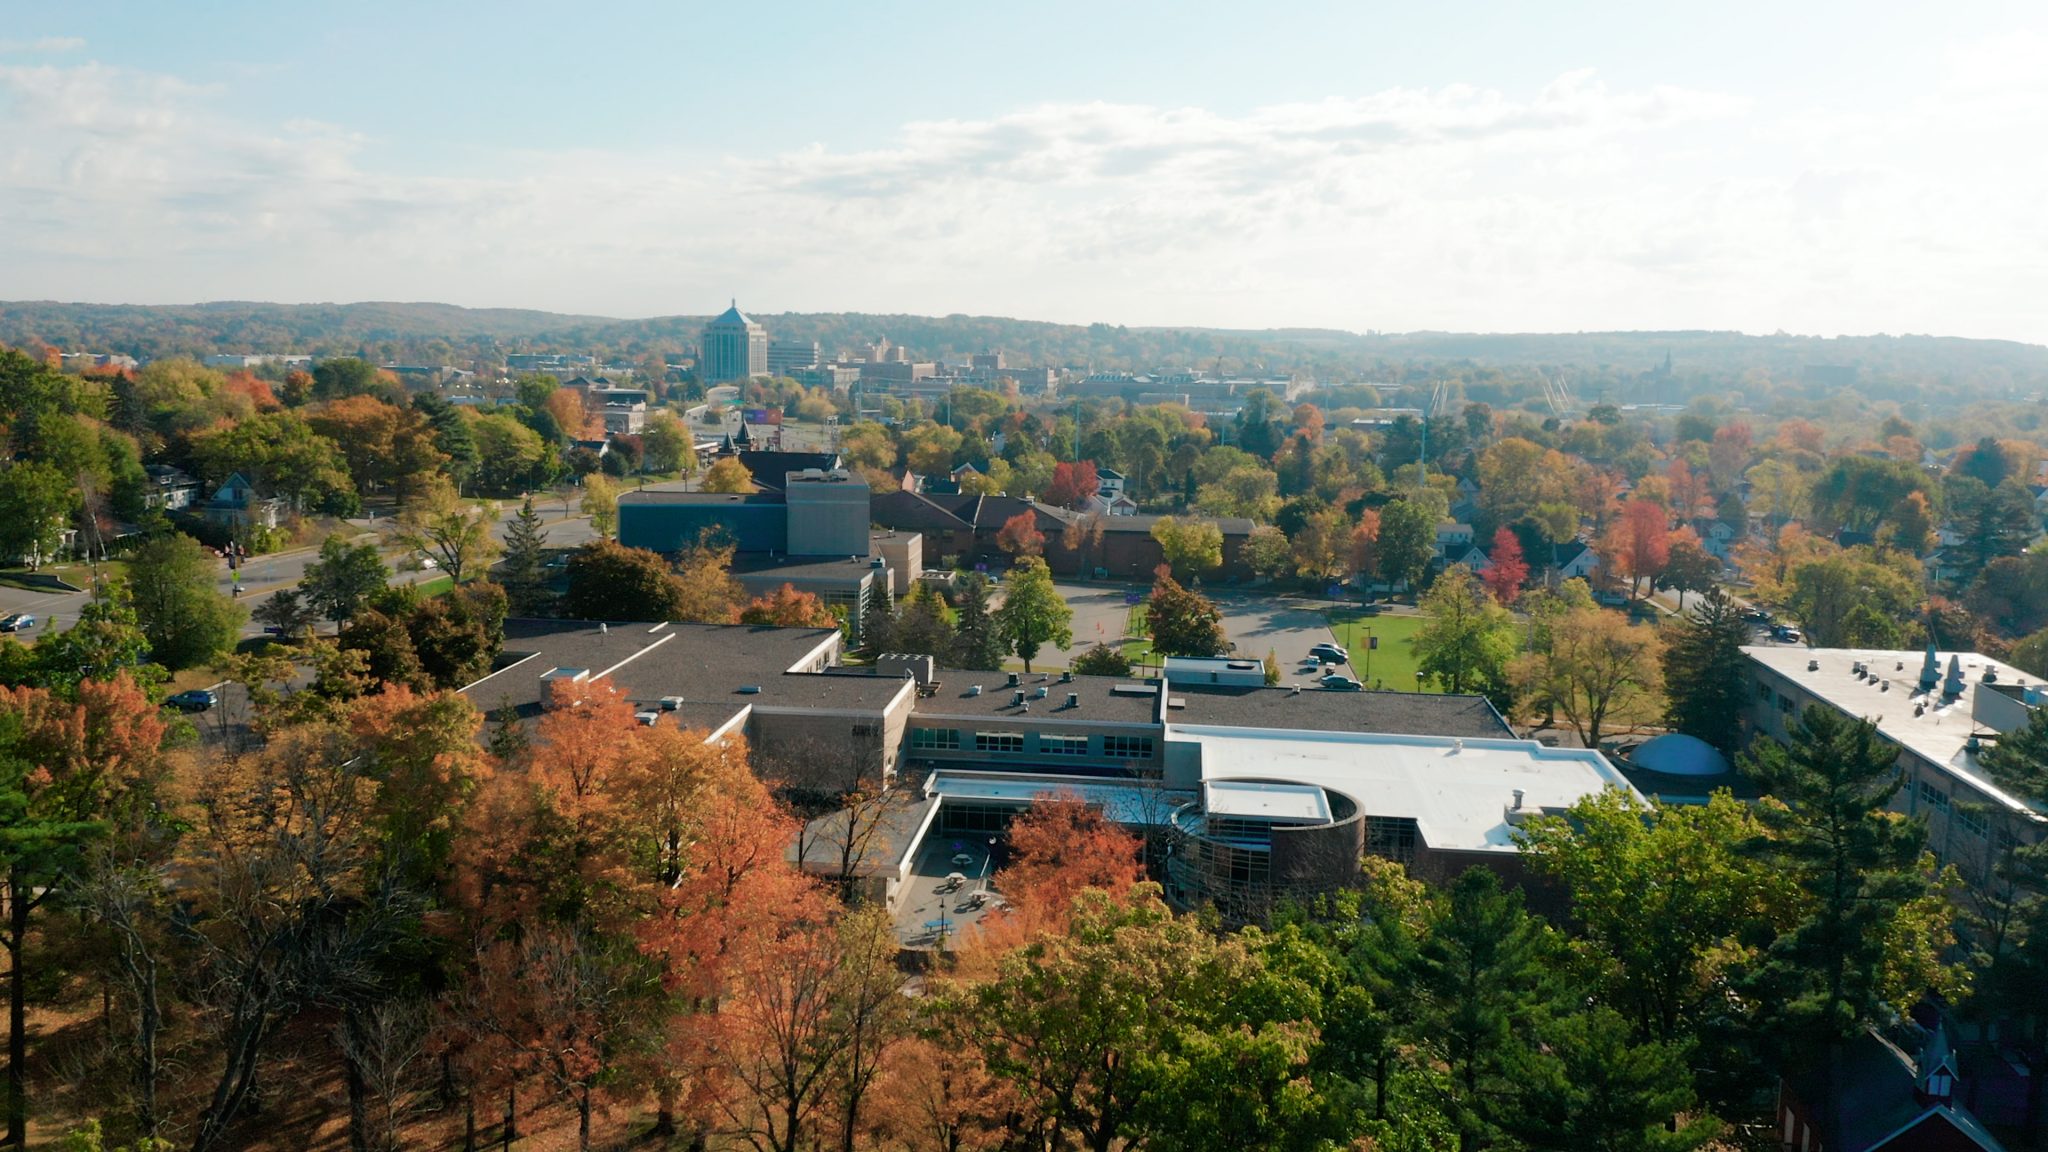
(1418,683)
(1368,654)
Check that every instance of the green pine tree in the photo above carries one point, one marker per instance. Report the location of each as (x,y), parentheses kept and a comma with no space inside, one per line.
(525,575)
(1824,977)
(977,643)
(1704,671)
(877,620)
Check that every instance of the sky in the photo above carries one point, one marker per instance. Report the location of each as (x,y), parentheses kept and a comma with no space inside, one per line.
(1813,167)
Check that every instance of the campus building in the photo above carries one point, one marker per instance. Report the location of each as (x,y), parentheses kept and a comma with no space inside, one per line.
(1941,710)
(1245,794)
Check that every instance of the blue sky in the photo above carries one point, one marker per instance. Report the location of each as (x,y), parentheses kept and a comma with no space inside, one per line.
(1814,167)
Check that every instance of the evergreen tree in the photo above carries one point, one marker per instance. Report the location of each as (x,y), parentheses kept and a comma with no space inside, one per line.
(877,621)
(1480,978)
(1830,833)
(525,575)
(344,578)
(976,642)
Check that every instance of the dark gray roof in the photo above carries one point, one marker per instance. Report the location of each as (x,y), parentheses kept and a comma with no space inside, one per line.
(708,665)
(756,567)
(1324,710)
(1109,699)
(675,496)
(770,469)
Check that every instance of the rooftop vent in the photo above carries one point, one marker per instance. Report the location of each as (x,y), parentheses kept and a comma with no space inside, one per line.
(1813,665)
(750,689)
(1073,699)
(974,690)
(1295,690)
(1176,701)
(1017,698)
(1519,794)
(671,703)
(647,719)
(1013,680)
(1885,686)
(1039,692)
(1067,677)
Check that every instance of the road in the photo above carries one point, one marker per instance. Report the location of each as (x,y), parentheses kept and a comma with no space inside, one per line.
(264,575)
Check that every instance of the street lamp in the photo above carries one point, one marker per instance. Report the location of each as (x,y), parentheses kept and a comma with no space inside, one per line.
(1418,682)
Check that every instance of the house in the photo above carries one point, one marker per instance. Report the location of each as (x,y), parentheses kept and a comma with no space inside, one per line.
(169,488)
(1452,537)
(1717,537)
(1109,483)
(238,504)
(1471,557)
(1104,504)
(1884,1099)
(1572,560)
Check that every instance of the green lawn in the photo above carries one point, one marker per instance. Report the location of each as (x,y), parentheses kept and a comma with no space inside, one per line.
(1137,647)
(1393,663)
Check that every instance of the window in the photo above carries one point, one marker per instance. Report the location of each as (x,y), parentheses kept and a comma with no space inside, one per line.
(1127,747)
(1763,692)
(935,739)
(998,742)
(1971,819)
(1063,745)
(1931,796)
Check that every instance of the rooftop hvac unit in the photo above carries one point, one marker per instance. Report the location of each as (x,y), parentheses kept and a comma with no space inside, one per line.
(974,690)
(1039,692)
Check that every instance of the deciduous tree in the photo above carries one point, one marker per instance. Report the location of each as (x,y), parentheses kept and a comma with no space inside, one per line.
(1033,613)
(729,476)
(1020,536)
(1189,547)
(788,608)
(1506,569)
(1468,639)
(440,524)
(187,620)
(1599,670)
(1182,622)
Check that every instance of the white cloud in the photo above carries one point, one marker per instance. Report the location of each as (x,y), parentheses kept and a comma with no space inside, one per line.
(1579,206)
(42,45)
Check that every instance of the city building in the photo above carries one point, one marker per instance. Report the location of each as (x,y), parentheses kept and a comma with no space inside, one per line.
(1120,545)
(735,348)
(623,410)
(1940,711)
(787,357)
(1883,1100)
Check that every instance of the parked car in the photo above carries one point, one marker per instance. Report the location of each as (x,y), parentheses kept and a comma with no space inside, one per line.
(1330,654)
(1338,682)
(18,622)
(194,700)
(1787,634)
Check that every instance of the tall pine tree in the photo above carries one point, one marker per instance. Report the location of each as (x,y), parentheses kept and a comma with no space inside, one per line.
(977,643)
(1823,978)
(1704,680)
(526,581)
(877,620)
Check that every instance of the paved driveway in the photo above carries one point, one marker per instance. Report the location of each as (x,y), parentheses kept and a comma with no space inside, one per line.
(1099,614)
(1258,624)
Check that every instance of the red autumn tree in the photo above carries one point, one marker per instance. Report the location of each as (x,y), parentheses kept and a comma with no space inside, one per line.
(1020,536)
(788,608)
(1072,484)
(1638,544)
(1365,543)
(1060,846)
(1506,568)
(1690,490)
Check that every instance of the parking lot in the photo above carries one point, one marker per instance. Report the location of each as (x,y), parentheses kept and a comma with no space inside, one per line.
(1099,614)
(1258,624)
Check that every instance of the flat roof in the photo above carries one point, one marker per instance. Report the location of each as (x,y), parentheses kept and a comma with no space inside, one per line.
(1105,699)
(1328,710)
(801,569)
(653,494)
(1126,803)
(1458,791)
(1941,733)
(1264,800)
(711,666)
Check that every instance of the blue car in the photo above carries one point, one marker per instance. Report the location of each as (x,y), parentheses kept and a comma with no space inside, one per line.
(18,622)
(196,700)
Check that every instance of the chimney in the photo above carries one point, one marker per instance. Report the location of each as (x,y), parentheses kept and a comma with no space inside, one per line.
(1518,799)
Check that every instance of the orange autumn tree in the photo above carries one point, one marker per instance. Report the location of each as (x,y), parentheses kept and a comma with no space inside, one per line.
(1638,543)
(1020,537)
(788,608)
(1060,846)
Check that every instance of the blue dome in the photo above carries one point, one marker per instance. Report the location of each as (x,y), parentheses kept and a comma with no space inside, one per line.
(1676,754)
